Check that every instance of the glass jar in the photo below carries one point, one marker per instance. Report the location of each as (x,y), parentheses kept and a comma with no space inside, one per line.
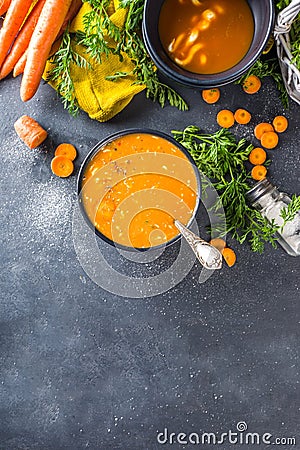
(269,201)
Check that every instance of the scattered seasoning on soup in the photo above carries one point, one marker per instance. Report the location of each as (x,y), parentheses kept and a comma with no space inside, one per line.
(207,36)
(135,186)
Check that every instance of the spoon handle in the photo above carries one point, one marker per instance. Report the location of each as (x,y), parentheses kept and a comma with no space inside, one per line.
(207,254)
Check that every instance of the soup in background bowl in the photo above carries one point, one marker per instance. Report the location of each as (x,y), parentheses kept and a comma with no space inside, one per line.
(164,54)
(134,184)
(207,36)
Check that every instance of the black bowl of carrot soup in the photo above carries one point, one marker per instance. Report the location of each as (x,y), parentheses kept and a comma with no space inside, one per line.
(206,43)
(134,184)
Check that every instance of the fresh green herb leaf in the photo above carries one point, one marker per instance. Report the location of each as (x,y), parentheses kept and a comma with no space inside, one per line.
(101,37)
(291,210)
(221,158)
(61,75)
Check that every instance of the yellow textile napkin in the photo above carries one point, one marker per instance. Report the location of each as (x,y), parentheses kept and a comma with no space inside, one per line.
(100,98)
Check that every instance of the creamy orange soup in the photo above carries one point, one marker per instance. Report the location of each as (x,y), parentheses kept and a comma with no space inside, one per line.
(207,36)
(135,186)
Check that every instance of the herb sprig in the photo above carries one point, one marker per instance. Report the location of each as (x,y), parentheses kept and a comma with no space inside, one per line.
(221,158)
(60,72)
(291,209)
(100,38)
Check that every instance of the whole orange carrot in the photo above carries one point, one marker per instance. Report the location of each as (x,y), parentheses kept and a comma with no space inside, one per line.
(14,18)
(4,5)
(73,10)
(20,64)
(22,40)
(50,21)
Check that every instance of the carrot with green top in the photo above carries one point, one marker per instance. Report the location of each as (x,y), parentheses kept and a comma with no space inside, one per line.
(4,5)
(252,84)
(13,20)
(50,21)
(225,118)
(211,96)
(22,40)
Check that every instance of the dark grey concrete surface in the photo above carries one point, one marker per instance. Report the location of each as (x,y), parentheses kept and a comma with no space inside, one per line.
(85,368)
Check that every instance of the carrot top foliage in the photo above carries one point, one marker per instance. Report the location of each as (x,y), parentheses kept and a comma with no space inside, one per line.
(221,158)
(98,27)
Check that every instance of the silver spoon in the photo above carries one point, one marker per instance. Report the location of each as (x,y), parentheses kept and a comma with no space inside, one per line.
(208,255)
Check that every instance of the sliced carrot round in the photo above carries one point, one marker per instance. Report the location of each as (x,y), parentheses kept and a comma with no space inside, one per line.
(219,243)
(280,124)
(252,84)
(225,118)
(269,139)
(229,256)
(211,95)
(242,116)
(62,166)
(257,156)
(259,172)
(67,150)
(262,128)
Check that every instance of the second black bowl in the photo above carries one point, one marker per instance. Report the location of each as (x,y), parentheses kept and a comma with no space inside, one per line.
(263,14)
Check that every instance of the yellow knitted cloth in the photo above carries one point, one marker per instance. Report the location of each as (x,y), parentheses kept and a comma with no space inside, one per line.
(100,98)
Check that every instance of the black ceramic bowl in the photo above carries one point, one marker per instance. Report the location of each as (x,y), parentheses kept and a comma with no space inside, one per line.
(263,14)
(97,148)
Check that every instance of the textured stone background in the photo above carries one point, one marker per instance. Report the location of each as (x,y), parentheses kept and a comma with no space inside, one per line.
(83,368)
